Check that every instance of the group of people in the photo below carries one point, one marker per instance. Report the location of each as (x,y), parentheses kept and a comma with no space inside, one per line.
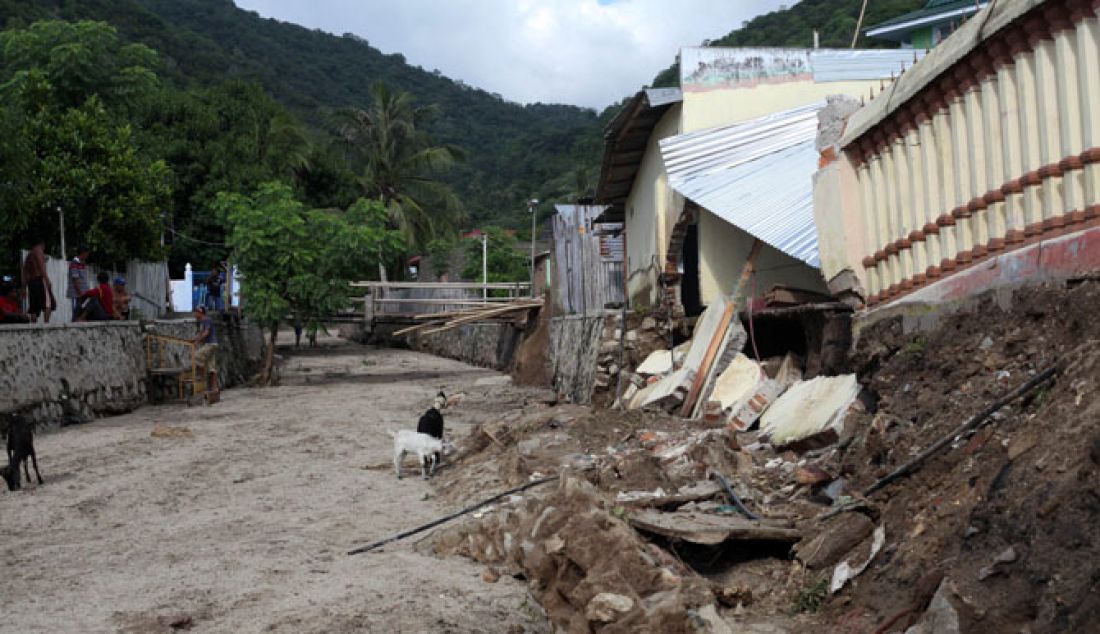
(105,301)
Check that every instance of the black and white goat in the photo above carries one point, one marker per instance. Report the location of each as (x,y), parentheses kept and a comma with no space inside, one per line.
(20,447)
(431,422)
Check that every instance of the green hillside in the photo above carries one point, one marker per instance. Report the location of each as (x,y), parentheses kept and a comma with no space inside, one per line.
(834,20)
(512,152)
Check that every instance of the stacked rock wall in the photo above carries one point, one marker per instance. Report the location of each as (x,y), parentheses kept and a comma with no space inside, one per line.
(74,372)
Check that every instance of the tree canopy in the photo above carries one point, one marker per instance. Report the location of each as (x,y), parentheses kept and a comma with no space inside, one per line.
(296,263)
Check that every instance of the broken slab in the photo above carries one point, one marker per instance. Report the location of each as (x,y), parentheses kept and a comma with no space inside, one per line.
(703,490)
(661,361)
(748,412)
(810,413)
(736,384)
(666,392)
(709,530)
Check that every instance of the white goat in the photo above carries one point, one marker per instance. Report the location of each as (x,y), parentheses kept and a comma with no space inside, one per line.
(424,446)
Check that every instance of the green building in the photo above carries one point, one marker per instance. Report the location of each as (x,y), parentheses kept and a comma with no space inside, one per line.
(927,26)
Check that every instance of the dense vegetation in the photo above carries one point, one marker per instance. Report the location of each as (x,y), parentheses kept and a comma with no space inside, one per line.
(511,152)
(834,20)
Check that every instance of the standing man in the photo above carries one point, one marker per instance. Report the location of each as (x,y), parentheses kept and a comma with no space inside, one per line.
(78,279)
(40,296)
(207,354)
(214,285)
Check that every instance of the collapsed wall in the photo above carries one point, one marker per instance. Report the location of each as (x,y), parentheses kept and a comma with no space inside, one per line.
(60,374)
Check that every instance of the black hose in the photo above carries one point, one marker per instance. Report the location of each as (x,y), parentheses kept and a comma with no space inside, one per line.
(733,497)
(447,518)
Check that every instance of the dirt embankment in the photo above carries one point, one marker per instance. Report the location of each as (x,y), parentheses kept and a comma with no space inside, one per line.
(998,533)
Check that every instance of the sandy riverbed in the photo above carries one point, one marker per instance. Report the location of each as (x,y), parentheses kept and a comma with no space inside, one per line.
(244,526)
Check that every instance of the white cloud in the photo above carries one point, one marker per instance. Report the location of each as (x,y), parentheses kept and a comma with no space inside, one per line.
(582,52)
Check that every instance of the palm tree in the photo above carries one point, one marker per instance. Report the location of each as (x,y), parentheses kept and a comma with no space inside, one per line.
(400,162)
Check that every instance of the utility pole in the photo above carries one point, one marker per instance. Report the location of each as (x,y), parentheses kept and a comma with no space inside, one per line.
(484,267)
(61,216)
(532,208)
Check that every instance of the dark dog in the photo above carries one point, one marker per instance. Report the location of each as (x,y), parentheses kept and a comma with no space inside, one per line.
(431,423)
(20,447)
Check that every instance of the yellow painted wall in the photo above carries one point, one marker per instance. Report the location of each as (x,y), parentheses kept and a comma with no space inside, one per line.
(723,250)
(709,109)
(648,207)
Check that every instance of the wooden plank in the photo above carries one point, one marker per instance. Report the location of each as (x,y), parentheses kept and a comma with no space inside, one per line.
(482,315)
(498,286)
(709,530)
(705,377)
(411,329)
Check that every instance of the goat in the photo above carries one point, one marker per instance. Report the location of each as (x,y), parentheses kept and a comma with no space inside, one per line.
(431,422)
(426,448)
(20,447)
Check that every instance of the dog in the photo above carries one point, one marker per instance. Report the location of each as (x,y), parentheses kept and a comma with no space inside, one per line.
(427,449)
(20,447)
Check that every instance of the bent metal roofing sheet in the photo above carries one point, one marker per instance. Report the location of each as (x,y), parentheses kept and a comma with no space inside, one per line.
(756,175)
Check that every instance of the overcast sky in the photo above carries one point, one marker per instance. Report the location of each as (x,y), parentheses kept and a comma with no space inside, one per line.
(583,52)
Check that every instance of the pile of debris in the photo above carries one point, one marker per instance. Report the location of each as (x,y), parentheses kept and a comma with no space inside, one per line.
(943,487)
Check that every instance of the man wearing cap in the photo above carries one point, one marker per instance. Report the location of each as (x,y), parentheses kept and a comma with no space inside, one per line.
(121,298)
(207,354)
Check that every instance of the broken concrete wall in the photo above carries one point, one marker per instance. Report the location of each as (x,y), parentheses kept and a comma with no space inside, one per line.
(489,345)
(81,370)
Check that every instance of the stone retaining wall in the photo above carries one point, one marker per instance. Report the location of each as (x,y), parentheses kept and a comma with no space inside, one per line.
(59,374)
(490,345)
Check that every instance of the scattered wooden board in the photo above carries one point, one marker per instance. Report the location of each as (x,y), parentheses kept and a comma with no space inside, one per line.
(707,529)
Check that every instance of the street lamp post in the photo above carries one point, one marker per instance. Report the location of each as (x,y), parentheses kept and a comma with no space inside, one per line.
(532,207)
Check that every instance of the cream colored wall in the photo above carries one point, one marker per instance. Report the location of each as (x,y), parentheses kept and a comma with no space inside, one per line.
(651,201)
(842,231)
(723,250)
(708,109)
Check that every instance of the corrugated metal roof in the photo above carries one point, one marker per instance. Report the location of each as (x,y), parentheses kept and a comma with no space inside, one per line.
(756,175)
(855,65)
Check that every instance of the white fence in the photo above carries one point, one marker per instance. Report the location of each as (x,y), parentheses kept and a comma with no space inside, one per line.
(147,283)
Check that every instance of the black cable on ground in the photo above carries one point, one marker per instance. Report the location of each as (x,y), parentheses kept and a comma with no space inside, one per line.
(447,518)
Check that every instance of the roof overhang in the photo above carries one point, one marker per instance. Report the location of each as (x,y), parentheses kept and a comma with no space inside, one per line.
(756,175)
(625,141)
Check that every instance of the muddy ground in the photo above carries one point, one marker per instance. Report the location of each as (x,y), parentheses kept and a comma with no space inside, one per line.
(244,525)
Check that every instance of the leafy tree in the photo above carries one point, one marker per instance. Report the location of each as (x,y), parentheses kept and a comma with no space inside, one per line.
(400,163)
(230,137)
(505,263)
(439,254)
(67,148)
(296,264)
(55,64)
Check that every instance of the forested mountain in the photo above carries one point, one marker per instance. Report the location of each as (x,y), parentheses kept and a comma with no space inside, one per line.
(511,151)
(834,20)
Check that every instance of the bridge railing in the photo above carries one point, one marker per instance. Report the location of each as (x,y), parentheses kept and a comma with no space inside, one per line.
(411,299)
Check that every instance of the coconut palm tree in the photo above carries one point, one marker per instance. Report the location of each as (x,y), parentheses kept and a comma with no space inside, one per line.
(400,164)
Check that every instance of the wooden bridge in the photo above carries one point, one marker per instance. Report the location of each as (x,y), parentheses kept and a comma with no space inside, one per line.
(436,306)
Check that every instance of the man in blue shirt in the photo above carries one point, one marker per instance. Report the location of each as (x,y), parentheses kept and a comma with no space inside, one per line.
(207,354)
